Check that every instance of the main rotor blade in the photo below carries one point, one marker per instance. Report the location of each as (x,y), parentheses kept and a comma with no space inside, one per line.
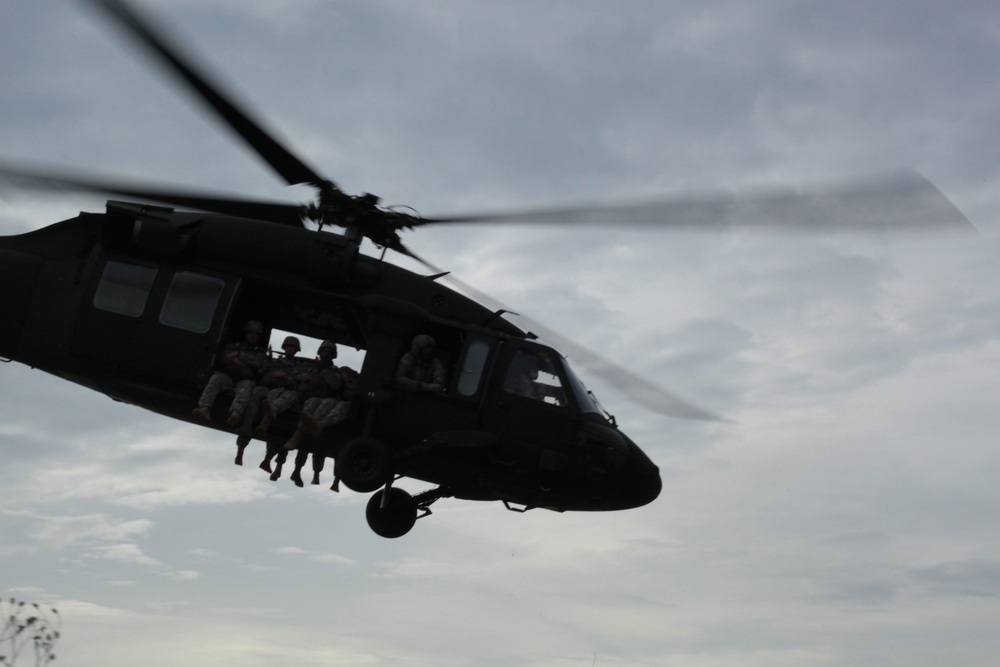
(905,201)
(631,385)
(288,166)
(279,212)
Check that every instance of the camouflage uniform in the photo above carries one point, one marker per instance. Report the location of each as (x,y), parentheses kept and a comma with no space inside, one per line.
(419,369)
(281,375)
(322,411)
(319,382)
(260,390)
(329,410)
(291,391)
(238,367)
(279,380)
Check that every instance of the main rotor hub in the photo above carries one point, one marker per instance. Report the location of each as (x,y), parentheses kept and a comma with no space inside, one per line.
(360,215)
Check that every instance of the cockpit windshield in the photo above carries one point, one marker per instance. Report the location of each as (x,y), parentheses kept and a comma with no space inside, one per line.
(532,373)
(545,376)
(584,398)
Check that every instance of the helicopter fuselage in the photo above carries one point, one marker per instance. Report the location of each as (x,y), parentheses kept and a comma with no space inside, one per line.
(137,301)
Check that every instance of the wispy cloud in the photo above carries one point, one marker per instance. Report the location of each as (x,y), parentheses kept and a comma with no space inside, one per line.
(124,553)
(61,531)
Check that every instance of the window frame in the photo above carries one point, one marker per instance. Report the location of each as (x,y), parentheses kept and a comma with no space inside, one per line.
(113,293)
(176,312)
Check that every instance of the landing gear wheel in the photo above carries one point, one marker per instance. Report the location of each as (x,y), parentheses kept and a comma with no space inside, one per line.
(364,464)
(397,518)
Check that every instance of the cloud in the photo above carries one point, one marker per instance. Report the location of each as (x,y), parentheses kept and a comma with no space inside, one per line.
(978,577)
(146,474)
(83,609)
(317,556)
(60,532)
(124,553)
(17,550)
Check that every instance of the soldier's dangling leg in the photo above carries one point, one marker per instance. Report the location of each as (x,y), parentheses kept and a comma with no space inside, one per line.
(282,399)
(300,428)
(258,394)
(318,462)
(242,391)
(300,461)
(278,400)
(307,418)
(326,412)
(243,433)
(274,451)
(334,415)
(281,456)
(269,455)
(216,384)
(314,413)
(265,420)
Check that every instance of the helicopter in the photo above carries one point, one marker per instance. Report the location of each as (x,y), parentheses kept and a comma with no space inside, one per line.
(182,272)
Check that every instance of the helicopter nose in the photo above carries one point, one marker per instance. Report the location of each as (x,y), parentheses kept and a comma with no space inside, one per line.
(644,483)
(632,480)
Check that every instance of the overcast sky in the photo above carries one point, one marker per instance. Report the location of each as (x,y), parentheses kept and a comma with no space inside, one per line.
(847,514)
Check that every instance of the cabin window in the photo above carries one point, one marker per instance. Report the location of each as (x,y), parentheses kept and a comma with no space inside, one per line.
(533,374)
(472,367)
(191,301)
(124,288)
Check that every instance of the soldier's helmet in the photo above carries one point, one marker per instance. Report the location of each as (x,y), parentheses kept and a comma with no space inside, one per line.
(329,345)
(292,341)
(253,326)
(421,342)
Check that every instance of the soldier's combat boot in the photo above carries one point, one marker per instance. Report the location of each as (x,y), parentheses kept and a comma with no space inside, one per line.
(242,441)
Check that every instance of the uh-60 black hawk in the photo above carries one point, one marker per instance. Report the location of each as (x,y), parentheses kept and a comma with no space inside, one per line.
(88,298)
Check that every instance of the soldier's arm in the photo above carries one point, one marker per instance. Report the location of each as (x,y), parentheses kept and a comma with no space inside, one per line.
(439,379)
(401,380)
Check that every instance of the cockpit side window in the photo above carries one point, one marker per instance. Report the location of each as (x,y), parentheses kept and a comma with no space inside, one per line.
(533,374)
(472,367)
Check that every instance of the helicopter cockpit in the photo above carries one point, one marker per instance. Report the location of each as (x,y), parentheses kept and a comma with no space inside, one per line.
(547,377)
(533,374)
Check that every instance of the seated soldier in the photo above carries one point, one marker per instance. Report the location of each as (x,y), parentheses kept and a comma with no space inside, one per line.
(317,414)
(419,369)
(281,378)
(319,381)
(237,369)
(278,377)
(272,375)
(320,413)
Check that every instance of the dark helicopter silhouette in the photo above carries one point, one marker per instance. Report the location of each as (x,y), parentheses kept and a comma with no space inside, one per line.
(87,298)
